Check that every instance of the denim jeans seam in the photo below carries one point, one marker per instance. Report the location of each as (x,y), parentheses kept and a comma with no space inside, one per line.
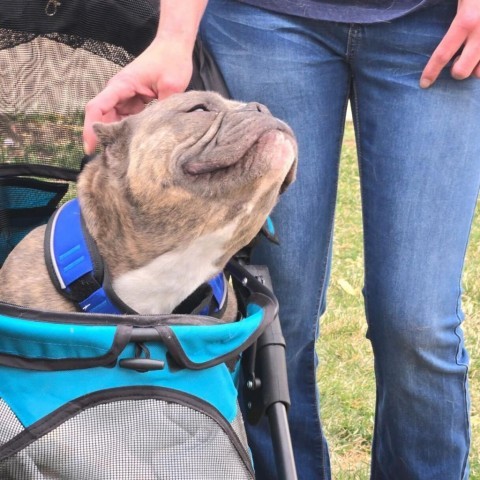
(457,312)
(353,34)
(356,119)
(465,380)
(321,290)
(321,453)
(323,287)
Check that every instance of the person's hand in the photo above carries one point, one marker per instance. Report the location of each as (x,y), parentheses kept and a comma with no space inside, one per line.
(162,69)
(463,32)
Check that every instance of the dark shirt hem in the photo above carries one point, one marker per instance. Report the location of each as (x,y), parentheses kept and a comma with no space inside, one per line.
(372,12)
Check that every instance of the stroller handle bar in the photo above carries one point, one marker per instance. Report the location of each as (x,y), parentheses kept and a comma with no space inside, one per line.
(265,372)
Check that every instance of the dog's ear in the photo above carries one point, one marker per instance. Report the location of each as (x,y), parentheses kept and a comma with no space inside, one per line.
(109,133)
(114,139)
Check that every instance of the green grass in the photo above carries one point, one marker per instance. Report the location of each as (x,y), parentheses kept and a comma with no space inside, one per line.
(345,374)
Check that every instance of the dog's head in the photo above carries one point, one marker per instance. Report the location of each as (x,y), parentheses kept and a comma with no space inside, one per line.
(195,164)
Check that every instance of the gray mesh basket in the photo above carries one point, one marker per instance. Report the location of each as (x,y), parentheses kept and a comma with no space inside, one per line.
(130,440)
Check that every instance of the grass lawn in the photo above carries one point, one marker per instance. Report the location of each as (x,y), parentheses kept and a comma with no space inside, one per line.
(345,375)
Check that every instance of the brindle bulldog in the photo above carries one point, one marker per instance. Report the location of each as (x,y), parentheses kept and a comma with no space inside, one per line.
(176,191)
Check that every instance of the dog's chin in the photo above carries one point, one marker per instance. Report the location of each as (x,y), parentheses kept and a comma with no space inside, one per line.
(272,156)
(279,150)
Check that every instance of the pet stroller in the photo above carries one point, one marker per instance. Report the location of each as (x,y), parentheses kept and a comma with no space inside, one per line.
(99,396)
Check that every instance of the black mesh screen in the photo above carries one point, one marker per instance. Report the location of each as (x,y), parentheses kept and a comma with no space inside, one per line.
(45,85)
(55,57)
(129,24)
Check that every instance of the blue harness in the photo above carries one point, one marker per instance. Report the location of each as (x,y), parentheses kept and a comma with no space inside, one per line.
(78,273)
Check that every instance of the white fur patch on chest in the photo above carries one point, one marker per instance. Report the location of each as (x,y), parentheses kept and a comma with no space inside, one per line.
(162,284)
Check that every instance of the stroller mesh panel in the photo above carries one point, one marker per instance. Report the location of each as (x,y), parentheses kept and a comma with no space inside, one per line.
(53,61)
(41,121)
(129,440)
(239,429)
(9,424)
(25,203)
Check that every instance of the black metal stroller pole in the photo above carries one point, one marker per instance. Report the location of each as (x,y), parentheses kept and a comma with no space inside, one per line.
(265,371)
(272,371)
(285,464)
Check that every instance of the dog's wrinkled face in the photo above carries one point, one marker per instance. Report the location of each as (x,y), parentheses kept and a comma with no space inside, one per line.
(195,162)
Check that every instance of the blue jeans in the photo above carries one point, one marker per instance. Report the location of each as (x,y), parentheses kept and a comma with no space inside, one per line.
(419,157)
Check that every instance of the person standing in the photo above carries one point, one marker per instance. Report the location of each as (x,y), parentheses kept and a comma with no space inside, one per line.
(408,68)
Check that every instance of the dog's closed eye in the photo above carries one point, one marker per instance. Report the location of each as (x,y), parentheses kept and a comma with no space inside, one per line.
(199,108)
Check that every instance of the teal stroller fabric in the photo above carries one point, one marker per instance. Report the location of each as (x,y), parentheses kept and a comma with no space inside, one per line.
(87,396)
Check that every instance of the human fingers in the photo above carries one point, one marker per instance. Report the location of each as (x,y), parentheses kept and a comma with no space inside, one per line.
(469,58)
(115,102)
(476,71)
(447,48)
(95,111)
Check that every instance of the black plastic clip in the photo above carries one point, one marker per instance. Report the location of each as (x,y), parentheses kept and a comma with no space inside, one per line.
(142,364)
